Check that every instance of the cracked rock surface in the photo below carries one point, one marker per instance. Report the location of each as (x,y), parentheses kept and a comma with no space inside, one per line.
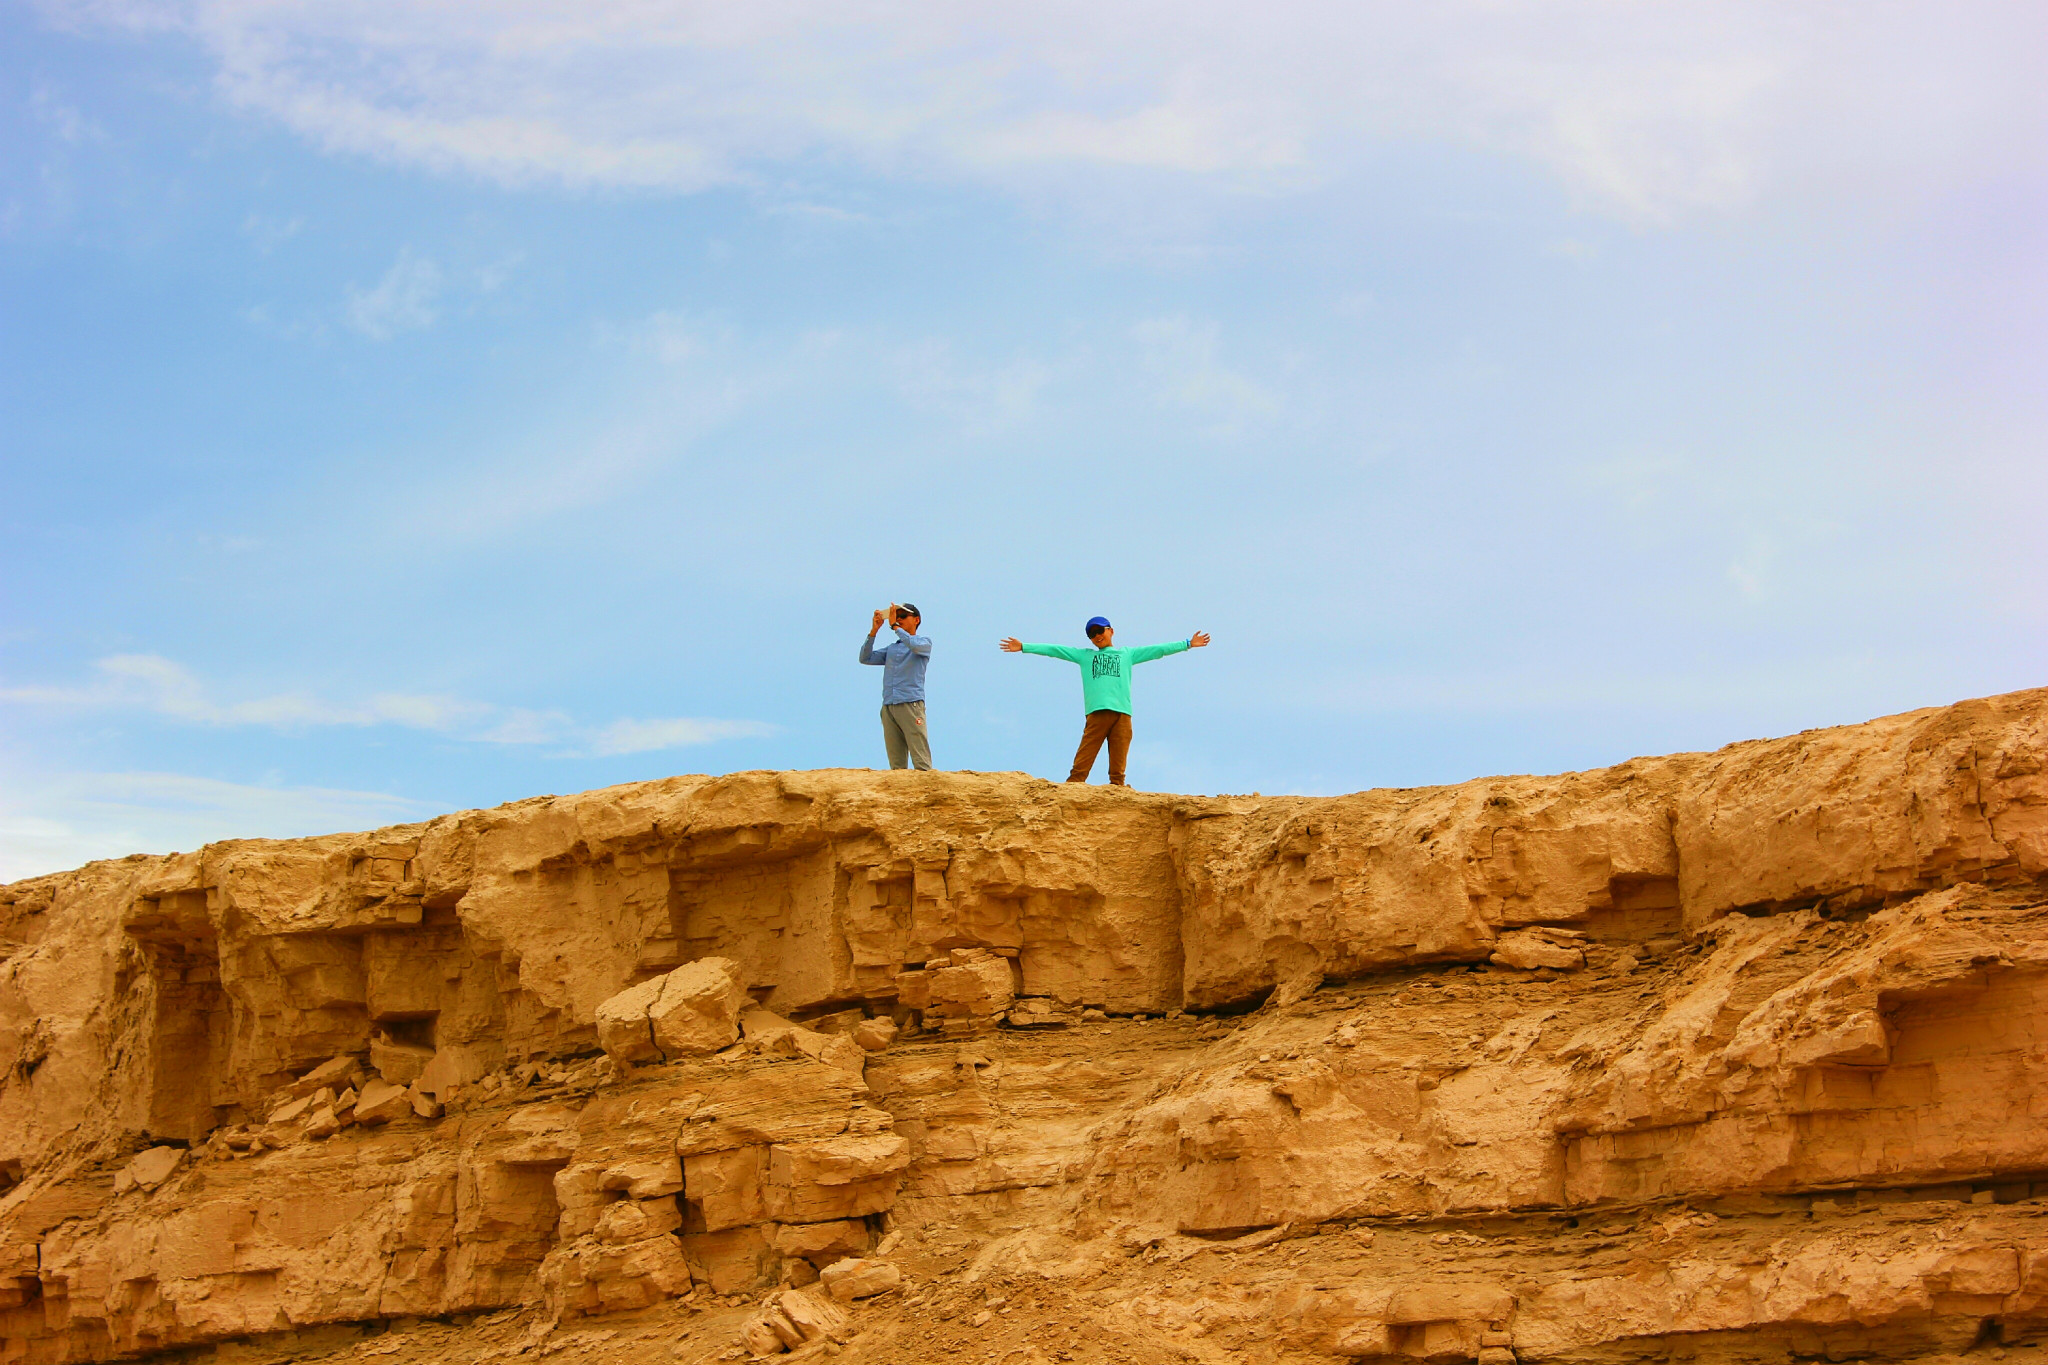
(1740,1055)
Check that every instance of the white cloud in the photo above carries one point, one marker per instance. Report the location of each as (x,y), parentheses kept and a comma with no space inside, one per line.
(1181,355)
(270,233)
(1650,112)
(50,109)
(152,683)
(73,818)
(646,736)
(675,380)
(983,399)
(262,317)
(519,726)
(403,301)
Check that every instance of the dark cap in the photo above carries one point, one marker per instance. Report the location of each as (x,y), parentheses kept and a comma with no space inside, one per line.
(1096,623)
(908,609)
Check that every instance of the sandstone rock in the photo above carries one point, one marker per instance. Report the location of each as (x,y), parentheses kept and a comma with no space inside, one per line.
(860,1279)
(833,1178)
(914,988)
(423,1104)
(725,1187)
(398,1063)
(978,986)
(837,1021)
(1039,1012)
(291,1111)
(1531,948)
(455,1065)
(382,1102)
(645,1179)
(149,1169)
(875,1035)
(822,1243)
(328,1075)
(614,1277)
(763,1339)
(1450,1303)
(1830,1038)
(693,1011)
(814,1316)
(770,1032)
(731,1260)
(634,1220)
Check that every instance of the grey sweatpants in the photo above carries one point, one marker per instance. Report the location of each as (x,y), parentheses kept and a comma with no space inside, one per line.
(903,732)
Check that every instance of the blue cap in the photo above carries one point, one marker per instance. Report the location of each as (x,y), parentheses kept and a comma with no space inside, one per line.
(1096,623)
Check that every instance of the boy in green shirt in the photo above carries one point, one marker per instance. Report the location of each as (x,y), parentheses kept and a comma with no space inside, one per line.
(1105,690)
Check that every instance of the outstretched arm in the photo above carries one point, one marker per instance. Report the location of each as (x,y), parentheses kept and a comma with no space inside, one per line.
(1073,655)
(1147,653)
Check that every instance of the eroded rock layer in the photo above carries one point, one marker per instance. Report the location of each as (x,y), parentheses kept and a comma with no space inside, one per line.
(1741,1053)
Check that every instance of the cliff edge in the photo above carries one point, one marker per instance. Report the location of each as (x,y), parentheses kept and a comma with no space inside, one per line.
(1733,1055)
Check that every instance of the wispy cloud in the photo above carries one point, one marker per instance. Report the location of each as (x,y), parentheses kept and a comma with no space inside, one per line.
(62,118)
(153,684)
(1183,357)
(76,817)
(646,736)
(983,398)
(150,682)
(403,301)
(675,380)
(269,232)
(1648,112)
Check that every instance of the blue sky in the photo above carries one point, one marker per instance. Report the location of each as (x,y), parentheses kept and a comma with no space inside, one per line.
(414,406)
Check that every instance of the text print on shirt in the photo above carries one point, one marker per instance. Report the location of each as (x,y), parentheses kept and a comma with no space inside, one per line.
(1108,665)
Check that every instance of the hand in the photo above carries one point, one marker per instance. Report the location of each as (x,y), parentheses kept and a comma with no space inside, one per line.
(1198,639)
(1012,645)
(875,624)
(890,619)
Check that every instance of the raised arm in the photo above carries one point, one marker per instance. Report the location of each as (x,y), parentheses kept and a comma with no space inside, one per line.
(919,644)
(867,646)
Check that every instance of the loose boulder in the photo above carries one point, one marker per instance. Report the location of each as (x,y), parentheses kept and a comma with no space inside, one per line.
(860,1279)
(149,1169)
(691,1012)
(381,1102)
(399,1063)
(875,1035)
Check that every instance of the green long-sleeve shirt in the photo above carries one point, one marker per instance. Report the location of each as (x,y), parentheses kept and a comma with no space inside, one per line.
(1106,673)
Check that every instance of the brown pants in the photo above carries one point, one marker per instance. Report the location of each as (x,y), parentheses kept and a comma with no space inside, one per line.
(1113,726)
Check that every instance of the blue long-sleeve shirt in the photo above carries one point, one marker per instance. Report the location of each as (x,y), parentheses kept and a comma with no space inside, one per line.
(903,664)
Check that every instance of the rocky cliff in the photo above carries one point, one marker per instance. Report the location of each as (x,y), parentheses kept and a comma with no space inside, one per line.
(1740,1054)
